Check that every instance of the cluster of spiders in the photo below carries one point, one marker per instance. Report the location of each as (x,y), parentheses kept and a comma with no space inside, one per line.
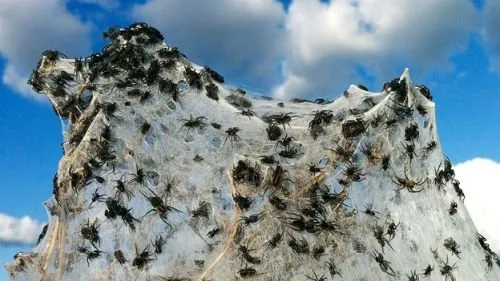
(489,255)
(311,218)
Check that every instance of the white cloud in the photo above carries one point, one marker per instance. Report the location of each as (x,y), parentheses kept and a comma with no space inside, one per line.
(233,37)
(329,41)
(29,27)
(480,180)
(22,231)
(490,32)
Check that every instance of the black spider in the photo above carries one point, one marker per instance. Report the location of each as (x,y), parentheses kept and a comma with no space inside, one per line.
(232,135)
(96,197)
(142,259)
(159,206)
(242,201)
(214,75)
(212,91)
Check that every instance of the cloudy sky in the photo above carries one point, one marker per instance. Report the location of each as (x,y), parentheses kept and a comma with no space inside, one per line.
(283,48)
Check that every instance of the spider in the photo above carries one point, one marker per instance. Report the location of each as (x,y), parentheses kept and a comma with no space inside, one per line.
(193,78)
(289,152)
(108,109)
(273,132)
(139,176)
(267,159)
(245,172)
(120,257)
(277,179)
(192,123)
(320,117)
(298,246)
(353,172)
(92,255)
(245,253)
(427,271)
(121,189)
(421,109)
(246,112)
(300,223)
(446,270)
(214,232)
(482,241)
(489,261)
(368,151)
(430,146)
(242,201)
(386,162)
(142,259)
(345,153)
(384,264)
(158,244)
(232,135)
(285,141)
(115,209)
(458,190)
(453,208)
(212,91)
(145,128)
(369,210)
(251,219)
(316,278)
(353,128)
(313,169)
(42,234)
(411,132)
(424,91)
(410,150)
(332,268)
(283,119)
(452,245)
(275,240)
(214,75)
(408,184)
(277,202)
(90,232)
(391,229)
(96,197)
(376,120)
(378,232)
(247,272)
(202,210)
(159,206)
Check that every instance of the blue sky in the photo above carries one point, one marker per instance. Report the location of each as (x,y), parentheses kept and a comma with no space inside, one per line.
(306,48)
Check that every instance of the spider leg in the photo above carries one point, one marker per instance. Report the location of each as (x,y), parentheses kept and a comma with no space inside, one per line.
(422,181)
(156,195)
(164,218)
(152,210)
(170,208)
(415,191)
(398,189)
(395,182)
(387,241)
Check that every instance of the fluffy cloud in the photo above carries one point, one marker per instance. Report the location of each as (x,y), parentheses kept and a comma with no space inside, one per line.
(330,42)
(241,39)
(28,27)
(490,32)
(23,231)
(480,180)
